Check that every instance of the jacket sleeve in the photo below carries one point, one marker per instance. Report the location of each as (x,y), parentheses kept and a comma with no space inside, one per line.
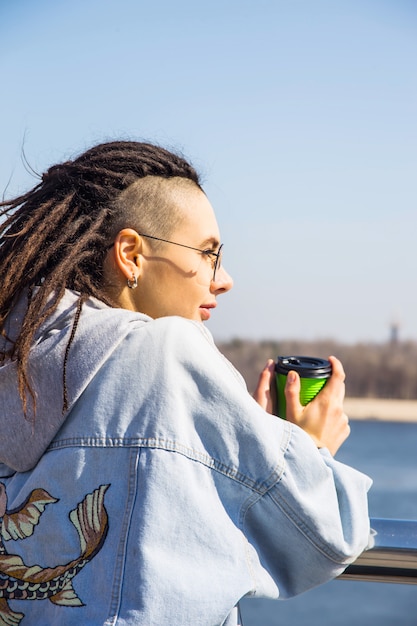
(312,522)
(304,515)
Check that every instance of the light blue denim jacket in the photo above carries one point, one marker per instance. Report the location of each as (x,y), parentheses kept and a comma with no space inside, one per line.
(165,493)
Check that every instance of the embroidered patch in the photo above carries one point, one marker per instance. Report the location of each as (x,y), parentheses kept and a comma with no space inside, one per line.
(19,581)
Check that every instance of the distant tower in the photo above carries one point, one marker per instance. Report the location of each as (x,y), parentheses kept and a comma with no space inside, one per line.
(394,330)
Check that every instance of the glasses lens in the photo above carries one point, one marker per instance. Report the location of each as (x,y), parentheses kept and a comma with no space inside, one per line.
(218,261)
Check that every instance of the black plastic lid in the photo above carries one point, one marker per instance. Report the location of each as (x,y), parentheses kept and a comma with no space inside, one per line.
(305,366)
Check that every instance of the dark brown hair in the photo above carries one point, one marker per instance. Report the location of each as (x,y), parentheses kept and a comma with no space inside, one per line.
(55,236)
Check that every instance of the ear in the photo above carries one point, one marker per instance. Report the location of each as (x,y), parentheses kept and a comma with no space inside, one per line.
(127,248)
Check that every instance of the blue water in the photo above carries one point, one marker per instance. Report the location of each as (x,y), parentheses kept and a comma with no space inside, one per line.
(387,452)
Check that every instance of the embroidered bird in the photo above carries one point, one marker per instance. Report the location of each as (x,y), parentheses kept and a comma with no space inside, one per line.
(21,582)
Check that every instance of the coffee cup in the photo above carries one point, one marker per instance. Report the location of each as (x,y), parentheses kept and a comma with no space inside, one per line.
(313,373)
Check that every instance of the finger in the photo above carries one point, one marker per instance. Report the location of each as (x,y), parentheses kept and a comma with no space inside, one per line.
(335,386)
(262,391)
(344,432)
(338,373)
(292,396)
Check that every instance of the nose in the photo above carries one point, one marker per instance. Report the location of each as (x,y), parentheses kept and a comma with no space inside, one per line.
(222,283)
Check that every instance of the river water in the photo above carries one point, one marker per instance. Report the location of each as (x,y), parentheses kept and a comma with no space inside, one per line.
(386,451)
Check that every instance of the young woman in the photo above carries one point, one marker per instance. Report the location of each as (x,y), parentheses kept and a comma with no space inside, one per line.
(140,483)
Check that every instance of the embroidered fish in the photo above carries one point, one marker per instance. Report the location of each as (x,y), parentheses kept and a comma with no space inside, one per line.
(19,581)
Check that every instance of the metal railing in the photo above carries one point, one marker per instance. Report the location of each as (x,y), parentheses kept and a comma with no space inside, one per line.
(393,556)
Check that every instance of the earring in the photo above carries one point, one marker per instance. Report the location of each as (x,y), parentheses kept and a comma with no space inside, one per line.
(132,283)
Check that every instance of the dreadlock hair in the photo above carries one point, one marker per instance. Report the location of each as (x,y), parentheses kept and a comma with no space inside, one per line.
(56,236)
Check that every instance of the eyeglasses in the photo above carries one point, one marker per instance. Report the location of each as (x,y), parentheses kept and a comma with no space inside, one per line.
(215,257)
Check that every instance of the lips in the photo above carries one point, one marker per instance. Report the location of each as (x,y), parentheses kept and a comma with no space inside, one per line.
(205,311)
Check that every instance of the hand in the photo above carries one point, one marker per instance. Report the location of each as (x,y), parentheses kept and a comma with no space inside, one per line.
(323,418)
(265,390)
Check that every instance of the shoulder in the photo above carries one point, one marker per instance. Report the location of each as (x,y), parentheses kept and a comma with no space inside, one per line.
(182,332)
(177,348)
(173,335)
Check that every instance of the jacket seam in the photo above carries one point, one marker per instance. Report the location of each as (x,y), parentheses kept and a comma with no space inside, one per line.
(119,576)
(260,487)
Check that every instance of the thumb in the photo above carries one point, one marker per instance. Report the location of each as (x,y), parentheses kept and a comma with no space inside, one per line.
(292,396)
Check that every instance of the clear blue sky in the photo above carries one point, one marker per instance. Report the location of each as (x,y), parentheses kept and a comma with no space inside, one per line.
(301,115)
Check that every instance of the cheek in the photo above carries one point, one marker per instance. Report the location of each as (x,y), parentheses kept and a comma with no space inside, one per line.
(167,291)
(185,298)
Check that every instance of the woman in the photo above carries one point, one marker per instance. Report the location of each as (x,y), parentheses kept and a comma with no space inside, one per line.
(140,482)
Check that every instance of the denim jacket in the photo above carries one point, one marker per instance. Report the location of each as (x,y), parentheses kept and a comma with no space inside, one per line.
(164,493)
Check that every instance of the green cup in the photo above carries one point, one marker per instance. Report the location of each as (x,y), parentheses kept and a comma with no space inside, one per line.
(313,373)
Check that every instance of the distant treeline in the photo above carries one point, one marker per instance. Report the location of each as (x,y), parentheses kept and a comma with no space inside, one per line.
(386,370)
